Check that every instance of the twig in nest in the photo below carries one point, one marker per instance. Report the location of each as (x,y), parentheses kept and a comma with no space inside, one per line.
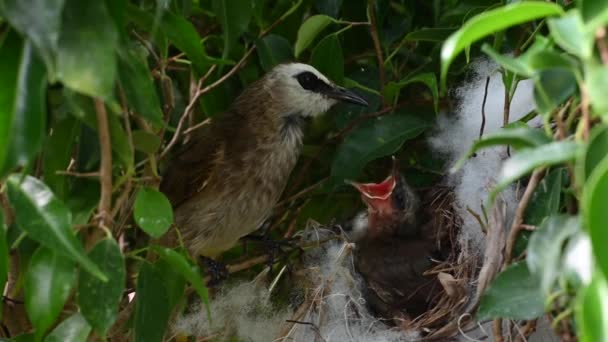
(314,327)
(516,227)
(483,108)
(478,218)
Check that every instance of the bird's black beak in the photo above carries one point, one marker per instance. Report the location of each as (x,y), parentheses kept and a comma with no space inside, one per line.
(345,95)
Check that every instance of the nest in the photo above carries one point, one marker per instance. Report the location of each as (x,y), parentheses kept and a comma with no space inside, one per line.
(333,307)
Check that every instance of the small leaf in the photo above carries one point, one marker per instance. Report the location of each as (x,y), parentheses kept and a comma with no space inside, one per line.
(99,300)
(272,50)
(146,141)
(432,34)
(153,212)
(429,79)
(58,153)
(513,294)
(39,21)
(23,106)
(592,309)
(570,33)
(545,259)
(546,198)
(552,88)
(138,86)
(517,137)
(373,139)
(593,206)
(234,17)
(84,67)
(48,283)
(309,31)
(151,305)
(190,272)
(47,220)
(527,160)
(597,79)
(73,329)
(489,22)
(327,57)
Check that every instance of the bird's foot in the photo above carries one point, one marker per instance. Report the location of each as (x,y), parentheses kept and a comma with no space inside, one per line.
(273,248)
(217,271)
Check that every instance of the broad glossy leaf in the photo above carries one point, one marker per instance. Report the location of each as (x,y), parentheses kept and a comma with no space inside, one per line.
(234,17)
(518,138)
(594,12)
(47,220)
(138,86)
(428,78)
(592,310)
(99,300)
(309,31)
(546,198)
(82,66)
(23,105)
(73,329)
(48,283)
(328,58)
(173,280)
(151,305)
(525,161)
(373,139)
(58,153)
(593,206)
(570,33)
(545,259)
(153,212)
(39,21)
(191,272)
(272,50)
(490,22)
(552,88)
(597,79)
(513,294)
(597,149)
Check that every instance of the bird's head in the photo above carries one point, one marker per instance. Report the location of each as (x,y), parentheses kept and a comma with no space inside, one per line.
(391,204)
(302,89)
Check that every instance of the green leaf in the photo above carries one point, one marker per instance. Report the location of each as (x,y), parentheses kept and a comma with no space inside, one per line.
(529,159)
(23,104)
(552,88)
(86,67)
(592,310)
(570,33)
(309,31)
(58,153)
(546,198)
(39,21)
(3,256)
(47,220)
(593,206)
(517,137)
(327,57)
(513,294)
(597,149)
(373,139)
(146,141)
(597,79)
(82,200)
(512,64)
(48,283)
(153,212)
(234,17)
(190,272)
(489,22)
(138,86)
(391,90)
(99,300)
(73,329)
(272,50)
(173,280)
(432,34)
(545,260)
(151,305)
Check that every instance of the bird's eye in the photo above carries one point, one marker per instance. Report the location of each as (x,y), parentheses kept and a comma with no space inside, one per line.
(310,81)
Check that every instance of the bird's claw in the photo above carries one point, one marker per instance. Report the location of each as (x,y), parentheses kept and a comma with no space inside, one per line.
(217,271)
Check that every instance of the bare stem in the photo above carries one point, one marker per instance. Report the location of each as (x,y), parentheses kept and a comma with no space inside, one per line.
(105,170)
(376,39)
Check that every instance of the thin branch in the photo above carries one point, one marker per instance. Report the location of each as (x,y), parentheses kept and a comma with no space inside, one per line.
(377,46)
(301,193)
(586,120)
(105,170)
(483,108)
(197,126)
(78,174)
(600,37)
(516,226)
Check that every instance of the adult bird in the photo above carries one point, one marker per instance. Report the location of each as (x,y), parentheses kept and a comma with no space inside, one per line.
(393,249)
(224,182)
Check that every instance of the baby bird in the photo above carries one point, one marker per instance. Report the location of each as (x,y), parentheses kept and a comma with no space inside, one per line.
(225,181)
(392,252)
